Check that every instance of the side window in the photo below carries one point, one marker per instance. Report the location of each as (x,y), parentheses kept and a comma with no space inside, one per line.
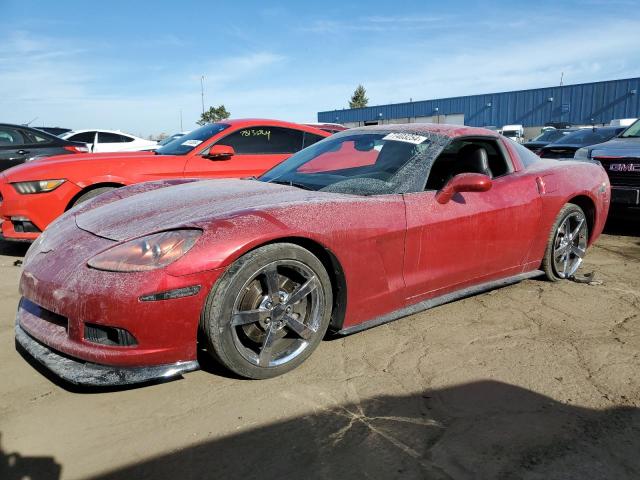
(310,139)
(527,157)
(467,156)
(264,140)
(84,137)
(33,137)
(10,136)
(108,137)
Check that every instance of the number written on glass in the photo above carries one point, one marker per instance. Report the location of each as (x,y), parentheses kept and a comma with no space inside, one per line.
(256,133)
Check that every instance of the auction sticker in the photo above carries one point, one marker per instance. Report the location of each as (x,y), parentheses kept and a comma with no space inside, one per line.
(192,143)
(405,137)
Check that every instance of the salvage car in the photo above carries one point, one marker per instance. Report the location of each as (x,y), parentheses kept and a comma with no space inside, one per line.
(567,146)
(364,227)
(34,194)
(19,144)
(620,158)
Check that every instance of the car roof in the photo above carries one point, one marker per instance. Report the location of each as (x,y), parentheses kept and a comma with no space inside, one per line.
(275,123)
(82,130)
(433,128)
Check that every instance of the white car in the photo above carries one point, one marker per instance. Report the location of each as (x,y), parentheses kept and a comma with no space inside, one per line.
(110,140)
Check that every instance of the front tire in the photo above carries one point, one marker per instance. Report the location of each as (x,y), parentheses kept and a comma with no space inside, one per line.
(269,311)
(567,243)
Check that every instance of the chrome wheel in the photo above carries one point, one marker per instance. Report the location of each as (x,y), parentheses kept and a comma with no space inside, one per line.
(277,313)
(570,244)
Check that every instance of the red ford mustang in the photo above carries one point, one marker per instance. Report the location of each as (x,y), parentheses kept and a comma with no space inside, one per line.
(32,195)
(361,228)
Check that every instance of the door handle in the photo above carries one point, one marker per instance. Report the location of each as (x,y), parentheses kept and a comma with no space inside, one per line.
(22,152)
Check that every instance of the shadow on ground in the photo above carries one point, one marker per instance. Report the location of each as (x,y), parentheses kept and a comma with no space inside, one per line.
(483,430)
(14,249)
(624,222)
(14,466)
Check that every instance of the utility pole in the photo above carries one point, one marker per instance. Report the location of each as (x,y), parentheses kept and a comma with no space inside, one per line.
(202,91)
(561,77)
(181,121)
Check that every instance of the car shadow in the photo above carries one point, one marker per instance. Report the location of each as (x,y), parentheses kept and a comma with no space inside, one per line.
(623,222)
(481,430)
(13,249)
(14,466)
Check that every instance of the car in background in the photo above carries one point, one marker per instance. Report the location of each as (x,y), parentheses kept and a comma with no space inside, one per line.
(19,144)
(362,228)
(567,146)
(620,158)
(110,141)
(514,132)
(171,138)
(328,127)
(37,193)
(546,137)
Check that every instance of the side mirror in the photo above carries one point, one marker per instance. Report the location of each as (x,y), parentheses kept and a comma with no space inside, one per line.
(464,182)
(220,152)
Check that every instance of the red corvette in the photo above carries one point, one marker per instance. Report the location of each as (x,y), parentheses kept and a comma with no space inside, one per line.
(32,195)
(357,230)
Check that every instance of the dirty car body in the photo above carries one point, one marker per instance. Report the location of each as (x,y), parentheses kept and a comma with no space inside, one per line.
(371,224)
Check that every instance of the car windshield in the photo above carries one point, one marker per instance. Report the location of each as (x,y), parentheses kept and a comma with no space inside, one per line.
(632,131)
(550,136)
(361,163)
(186,143)
(170,139)
(588,136)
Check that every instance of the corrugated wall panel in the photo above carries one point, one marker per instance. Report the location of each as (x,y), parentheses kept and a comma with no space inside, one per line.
(600,101)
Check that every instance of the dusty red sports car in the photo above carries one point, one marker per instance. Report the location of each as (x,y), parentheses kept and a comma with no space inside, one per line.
(35,193)
(362,228)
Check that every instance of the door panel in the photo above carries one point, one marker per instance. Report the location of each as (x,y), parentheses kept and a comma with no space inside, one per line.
(475,235)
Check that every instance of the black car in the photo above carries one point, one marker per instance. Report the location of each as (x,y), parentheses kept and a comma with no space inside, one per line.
(54,130)
(19,143)
(567,146)
(546,137)
(620,157)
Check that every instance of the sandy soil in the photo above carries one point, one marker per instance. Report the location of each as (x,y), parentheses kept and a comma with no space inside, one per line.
(533,381)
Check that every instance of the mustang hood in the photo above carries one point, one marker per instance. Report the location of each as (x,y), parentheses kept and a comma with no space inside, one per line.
(189,204)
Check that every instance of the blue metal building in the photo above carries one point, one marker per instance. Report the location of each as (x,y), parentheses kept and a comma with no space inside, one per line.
(586,103)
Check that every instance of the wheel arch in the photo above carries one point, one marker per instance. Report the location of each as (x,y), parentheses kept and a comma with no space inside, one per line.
(588,206)
(90,188)
(334,270)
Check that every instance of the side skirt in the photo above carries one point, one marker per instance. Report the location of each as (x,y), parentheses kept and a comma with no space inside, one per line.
(440,300)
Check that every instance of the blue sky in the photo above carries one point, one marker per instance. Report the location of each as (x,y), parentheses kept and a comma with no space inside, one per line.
(134,65)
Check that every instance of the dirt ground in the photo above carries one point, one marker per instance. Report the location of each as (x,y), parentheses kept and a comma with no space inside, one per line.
(532,381)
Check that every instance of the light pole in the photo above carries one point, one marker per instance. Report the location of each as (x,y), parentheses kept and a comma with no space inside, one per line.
(202,91)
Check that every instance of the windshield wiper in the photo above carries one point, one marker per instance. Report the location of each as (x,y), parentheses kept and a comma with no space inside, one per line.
(291,184)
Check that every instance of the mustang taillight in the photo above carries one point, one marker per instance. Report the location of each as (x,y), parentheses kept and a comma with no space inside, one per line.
(74,149)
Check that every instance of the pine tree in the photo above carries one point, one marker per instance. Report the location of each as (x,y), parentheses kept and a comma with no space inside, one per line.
(359,99)
(214,114)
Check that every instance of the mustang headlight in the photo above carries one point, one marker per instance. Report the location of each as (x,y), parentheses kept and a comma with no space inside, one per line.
(146,253)
(38,186)
(581,154)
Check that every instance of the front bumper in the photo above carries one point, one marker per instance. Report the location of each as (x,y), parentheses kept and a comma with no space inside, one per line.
(629,196)
(91,374)
(38,209)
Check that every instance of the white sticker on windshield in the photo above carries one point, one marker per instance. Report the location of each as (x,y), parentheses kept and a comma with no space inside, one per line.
(192,143)
(405,137)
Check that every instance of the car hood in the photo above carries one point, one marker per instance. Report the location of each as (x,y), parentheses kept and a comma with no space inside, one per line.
(91,156)
(618,146)
(192,205)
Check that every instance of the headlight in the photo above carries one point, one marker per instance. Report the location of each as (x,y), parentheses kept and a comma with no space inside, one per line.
(581,154)
(146,253)
(38,186)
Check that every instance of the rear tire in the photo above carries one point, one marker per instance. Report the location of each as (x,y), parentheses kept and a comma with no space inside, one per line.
(269,311)
(92,194)
(567,243)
